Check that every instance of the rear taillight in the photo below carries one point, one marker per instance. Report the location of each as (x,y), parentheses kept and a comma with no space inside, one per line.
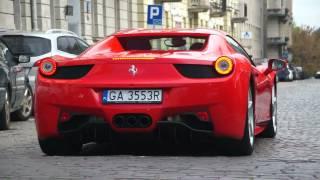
(223,65)
(47,66)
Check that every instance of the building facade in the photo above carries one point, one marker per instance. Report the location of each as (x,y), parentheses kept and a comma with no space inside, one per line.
(279,40)
(262,27)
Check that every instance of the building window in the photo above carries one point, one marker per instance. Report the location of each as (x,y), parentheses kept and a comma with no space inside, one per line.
(245,10)
(87,6)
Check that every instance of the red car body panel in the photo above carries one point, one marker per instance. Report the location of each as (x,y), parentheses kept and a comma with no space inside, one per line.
(224,98)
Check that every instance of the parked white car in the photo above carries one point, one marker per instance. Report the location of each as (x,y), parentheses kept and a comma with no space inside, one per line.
(317,75)
(39,45)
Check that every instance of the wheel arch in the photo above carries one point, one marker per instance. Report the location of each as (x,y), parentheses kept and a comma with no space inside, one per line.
(252,84)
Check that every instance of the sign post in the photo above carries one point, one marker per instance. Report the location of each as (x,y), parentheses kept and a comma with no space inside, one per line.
(154,17)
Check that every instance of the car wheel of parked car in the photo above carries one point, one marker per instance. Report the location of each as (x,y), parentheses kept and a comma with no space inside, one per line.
(5,113)
(272,127)
(290,76)
(55,146)
(26,110)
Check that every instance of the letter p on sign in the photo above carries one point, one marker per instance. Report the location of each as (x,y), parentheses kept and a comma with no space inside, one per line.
(154,12)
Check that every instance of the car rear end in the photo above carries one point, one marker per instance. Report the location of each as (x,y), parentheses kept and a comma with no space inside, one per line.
(136,91)
(34,45)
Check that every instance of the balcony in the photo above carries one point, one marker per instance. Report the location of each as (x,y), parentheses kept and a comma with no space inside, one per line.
(196,6)
(283,14)
(276,4)
(277,41)
(277,12)
(218,8)
(240,15)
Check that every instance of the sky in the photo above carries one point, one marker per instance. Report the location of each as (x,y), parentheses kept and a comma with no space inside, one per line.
(306,12)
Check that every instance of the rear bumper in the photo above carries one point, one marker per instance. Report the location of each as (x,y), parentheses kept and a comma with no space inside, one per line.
(95,129)
(223,99)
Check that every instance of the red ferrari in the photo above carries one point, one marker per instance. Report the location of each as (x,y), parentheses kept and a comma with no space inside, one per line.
(183,84)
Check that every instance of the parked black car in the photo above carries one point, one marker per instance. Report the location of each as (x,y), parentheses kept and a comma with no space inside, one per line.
(16,98)
(286,74)
(317,75)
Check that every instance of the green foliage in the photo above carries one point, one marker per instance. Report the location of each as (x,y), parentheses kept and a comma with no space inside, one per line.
(306,49)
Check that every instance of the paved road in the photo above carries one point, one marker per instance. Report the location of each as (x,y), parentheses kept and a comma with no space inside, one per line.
(293,154)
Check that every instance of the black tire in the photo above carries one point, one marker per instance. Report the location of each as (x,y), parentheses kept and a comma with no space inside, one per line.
(55,146)
(26,111)
(5,112)
(246,145)
(271,129)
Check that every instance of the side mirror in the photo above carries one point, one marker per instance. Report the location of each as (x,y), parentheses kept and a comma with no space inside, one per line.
(275,65)
(24,59)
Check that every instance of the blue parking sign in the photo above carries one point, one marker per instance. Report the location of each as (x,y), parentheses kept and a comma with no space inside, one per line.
(154,15)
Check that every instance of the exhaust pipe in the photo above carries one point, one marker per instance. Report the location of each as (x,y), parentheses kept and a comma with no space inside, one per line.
(145,121)
(119,121)
(132,121)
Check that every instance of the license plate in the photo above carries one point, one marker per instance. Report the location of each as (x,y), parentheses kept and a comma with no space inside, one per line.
(123,96)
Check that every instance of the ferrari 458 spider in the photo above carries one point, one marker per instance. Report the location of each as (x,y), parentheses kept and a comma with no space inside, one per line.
(168,83)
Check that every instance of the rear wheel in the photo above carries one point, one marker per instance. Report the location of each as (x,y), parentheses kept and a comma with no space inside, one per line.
(271,130)
(247,143)
(26,110)
(5,112)
(55,146)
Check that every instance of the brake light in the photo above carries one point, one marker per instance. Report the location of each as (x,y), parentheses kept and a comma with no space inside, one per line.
(47,66)
(223,65)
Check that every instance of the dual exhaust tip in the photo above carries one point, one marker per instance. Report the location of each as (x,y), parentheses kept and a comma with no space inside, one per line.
(132,121)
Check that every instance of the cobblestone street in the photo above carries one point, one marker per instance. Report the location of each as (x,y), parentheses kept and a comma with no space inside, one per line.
(293,154)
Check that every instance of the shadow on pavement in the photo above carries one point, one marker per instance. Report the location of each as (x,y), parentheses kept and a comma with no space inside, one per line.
(150,149)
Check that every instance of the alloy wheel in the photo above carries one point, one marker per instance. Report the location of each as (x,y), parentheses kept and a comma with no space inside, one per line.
(250,118)
(7,108)
(27,103)
(274,110)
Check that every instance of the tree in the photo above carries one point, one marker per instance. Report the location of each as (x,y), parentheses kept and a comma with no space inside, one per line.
(306,48)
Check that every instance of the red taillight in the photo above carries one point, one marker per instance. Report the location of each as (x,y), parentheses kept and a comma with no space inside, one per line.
(47,66)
